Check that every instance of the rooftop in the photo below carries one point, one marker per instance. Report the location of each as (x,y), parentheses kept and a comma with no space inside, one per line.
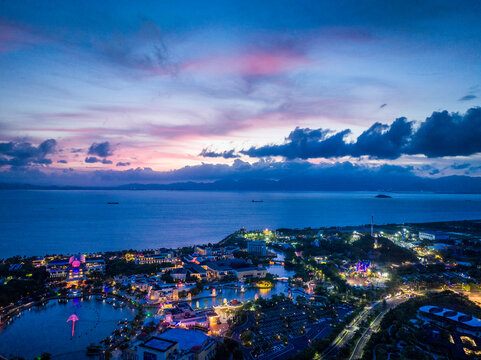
(451,314)
(186,339)
(159,344)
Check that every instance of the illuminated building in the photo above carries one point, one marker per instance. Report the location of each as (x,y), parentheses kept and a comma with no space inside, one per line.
(175,344)
(250,273)
(363,266)
(433,235)
(205,252)
(449,318)
(156,349)
(167,257)
(129,257)
(75,268)
(192,344)
(39,261)
(257,247)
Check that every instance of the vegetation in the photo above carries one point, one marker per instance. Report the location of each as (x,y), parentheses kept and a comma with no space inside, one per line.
(28,282)
(396,325)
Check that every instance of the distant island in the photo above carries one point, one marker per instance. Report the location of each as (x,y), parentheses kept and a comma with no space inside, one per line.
(382,196)
(442,185)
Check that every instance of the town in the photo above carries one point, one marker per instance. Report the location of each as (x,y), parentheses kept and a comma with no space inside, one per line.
(360,292)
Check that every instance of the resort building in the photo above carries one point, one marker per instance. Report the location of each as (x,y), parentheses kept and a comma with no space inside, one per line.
(257,247)
(244,274)
(162,293)
(179,274)
(174,344)
(196,271)
(239,268)
(216,269)
(208,253)
(75,268)
(156,349)
(192,344)
(449,318)
(39,261)
(162,258)
(433,235)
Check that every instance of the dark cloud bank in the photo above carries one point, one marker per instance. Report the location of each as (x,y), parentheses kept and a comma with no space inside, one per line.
(262,175)
(440,135)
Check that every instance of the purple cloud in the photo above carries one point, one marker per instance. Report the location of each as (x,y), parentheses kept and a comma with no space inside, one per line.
(101,149)
(24,153)
(93,160)
(228,154)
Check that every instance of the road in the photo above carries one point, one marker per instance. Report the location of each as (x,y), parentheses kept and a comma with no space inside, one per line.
(237,332)
(239,329)
(347,334)
(359,348)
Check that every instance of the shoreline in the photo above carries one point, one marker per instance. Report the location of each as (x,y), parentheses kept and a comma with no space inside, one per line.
(221,242)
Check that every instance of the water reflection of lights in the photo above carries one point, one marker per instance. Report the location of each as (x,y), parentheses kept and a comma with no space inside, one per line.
(264,291)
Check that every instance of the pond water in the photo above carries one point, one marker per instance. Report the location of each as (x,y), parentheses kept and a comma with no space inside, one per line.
(45,329)
(235,293)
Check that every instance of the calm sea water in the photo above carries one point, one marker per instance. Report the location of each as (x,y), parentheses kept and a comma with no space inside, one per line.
(45,329)
(46,222)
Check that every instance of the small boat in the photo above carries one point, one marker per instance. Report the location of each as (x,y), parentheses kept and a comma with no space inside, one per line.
(112,203)
(257,201)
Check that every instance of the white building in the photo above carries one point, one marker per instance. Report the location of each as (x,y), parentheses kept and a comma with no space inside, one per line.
(433,235)
(250,273)
(446,318)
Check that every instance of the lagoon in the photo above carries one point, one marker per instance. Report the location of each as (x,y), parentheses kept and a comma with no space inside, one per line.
(45,328)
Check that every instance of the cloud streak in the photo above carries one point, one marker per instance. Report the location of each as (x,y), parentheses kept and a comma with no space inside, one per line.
(468,97)
(94,160)
(228,154)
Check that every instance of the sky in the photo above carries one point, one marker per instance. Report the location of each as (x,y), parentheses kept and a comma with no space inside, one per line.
(110,92)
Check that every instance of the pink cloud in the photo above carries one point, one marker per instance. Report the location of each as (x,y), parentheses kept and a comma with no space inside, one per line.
(253,64)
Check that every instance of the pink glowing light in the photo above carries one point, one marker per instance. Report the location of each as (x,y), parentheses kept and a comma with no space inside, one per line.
(73,318)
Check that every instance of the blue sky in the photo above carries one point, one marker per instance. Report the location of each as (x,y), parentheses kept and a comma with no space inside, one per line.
(168,85)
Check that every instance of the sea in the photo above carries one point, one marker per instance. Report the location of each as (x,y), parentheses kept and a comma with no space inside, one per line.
(40,222)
